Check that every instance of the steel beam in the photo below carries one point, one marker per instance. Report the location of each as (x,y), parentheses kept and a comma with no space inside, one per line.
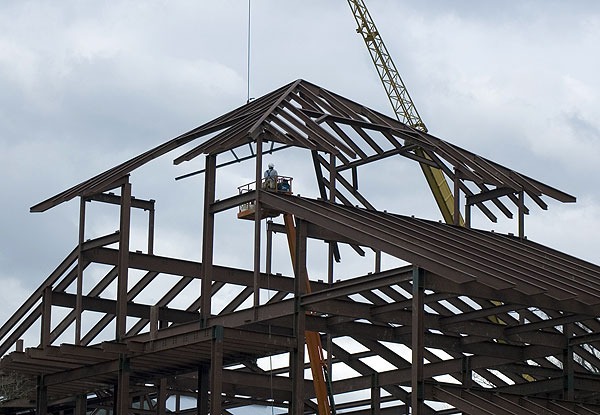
(356,285)
(316,232)
(192,269)
(231,202)
(113,199)
(83,372)
(488,195)
(104,305)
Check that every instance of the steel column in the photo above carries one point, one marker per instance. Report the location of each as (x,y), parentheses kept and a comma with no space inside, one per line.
(568,365)
(80,405)
(269,258)
(330,261)
(257,223)
(456,217)
(216,370)
(375,395)
(297,355)
(521,214)
(355,178)
(161,400)
(377,260)
(151,213)
(329,340)
(468,215)
(79,302)
(208,237)
(330,258)
(467,372)
(154,314)
(300,271)
(297,365)
(203,376)
(123,262)
(332,177)
(418,343)
(115,403)
(41,402)
(123,386)
(46,317)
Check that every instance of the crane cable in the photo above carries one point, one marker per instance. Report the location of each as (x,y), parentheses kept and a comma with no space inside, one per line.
(248,58)
(268,275)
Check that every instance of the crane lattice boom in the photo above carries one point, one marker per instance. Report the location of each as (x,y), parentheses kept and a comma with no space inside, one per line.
(403,106)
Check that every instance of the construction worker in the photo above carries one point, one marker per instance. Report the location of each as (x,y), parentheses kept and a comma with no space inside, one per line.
(270,177)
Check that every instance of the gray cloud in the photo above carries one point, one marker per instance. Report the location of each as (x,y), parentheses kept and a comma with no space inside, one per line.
(86,85)
(583,128)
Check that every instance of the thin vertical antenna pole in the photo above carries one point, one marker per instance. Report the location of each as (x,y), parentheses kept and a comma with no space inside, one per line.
(248,53)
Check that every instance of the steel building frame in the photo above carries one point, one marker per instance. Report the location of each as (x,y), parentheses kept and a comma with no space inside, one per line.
(490,323)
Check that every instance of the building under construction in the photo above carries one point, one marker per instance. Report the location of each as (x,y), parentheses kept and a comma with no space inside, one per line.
(477,323)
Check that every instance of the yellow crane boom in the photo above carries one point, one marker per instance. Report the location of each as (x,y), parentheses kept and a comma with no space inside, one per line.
(403,106)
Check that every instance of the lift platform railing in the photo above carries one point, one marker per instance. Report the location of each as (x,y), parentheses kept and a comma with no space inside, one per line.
(276,184)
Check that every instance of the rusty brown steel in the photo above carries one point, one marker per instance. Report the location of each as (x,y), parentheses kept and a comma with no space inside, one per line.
(513,322)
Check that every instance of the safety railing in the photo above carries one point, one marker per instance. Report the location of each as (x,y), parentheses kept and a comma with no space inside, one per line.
(275,184)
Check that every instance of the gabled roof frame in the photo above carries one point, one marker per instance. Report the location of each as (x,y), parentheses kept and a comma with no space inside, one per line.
(296,114)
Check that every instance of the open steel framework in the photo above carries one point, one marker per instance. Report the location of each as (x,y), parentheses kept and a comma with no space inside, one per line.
(492,323)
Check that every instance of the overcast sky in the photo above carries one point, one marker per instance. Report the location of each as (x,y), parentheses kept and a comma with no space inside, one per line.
(85,85)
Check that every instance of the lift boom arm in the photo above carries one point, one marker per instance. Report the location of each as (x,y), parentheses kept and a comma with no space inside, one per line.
(318,365)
